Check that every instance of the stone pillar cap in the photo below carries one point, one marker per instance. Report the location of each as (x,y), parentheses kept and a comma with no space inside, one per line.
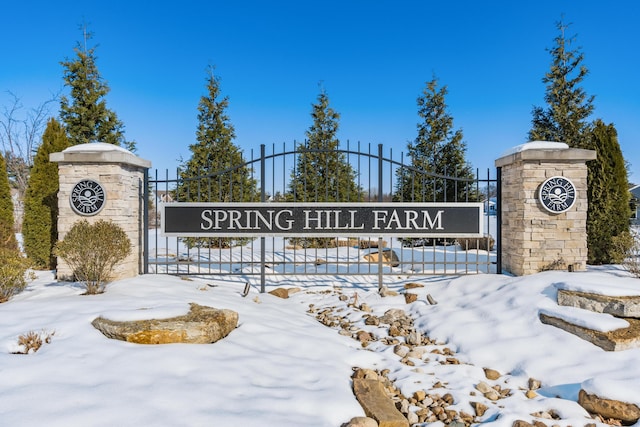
(93,147)
(549,151)
(536,145)
(98,152)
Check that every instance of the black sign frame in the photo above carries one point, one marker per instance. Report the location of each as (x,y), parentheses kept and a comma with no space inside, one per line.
(322,219)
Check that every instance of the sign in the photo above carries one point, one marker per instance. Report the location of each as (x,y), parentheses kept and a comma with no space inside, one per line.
(557,194)
(87,197)
(322,219)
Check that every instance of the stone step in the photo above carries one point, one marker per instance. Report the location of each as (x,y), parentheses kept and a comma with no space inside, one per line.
(619,306)
(610,340)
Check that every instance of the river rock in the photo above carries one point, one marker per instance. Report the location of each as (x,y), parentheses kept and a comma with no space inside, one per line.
(361,422)
(491,374)
(410,297)
(280,293)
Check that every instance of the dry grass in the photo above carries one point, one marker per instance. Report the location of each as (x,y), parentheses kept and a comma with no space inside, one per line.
(31,341)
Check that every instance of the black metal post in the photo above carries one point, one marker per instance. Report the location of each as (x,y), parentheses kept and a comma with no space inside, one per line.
(263,199)
(499,220)
(145,223)
(380,197)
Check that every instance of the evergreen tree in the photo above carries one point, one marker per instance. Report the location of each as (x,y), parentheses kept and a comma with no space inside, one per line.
(438,151)
(85,115)
(565,118)
(216,171)
(40,226)
(608,212)
(7,234)
(322,172)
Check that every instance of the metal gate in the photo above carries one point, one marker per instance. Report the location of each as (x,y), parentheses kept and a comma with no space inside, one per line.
(377,178)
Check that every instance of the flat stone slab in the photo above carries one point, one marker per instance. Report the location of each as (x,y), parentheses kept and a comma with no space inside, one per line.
(616,340)
(376,404)
(202,325)
(619,306)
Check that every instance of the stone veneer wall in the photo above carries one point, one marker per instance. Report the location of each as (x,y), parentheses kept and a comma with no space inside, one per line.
(534,239)
(121,174)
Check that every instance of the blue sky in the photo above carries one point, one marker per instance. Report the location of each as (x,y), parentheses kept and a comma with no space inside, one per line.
(372,57)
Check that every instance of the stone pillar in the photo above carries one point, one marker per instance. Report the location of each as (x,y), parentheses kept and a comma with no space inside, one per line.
(101,181)
(544,207)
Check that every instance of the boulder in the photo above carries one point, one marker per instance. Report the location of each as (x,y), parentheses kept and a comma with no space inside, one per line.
(202,325)
(389,257)
(628,413)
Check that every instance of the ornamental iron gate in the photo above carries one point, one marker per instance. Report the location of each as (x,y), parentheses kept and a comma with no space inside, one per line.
(376,180)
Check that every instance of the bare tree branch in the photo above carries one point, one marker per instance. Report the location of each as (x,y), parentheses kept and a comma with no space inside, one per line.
(20,135)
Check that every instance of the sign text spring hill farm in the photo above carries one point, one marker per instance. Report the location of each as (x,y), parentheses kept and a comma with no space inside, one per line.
(322,219)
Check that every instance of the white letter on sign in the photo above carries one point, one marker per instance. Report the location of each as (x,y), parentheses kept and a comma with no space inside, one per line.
(378,216)
(206,217)
(429,223)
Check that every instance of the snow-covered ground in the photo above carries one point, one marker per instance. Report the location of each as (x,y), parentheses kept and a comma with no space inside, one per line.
(281,367)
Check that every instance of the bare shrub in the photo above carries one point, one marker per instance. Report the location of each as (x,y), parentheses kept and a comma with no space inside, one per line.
(626,252)
(92,251)
(556,264)
(31,341)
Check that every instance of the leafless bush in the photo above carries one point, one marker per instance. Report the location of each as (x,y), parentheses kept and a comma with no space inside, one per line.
(31,341)
(627,251)
(556,264)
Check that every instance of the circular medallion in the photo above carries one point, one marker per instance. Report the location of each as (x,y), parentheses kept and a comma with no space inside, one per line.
(557,194)
(87,197)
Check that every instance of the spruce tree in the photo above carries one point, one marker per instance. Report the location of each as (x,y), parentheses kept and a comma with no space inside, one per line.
(216,170)
(565,118)
(438,151)
(85,114)
(608,195)
(7,234)
(40,226)
(322,172)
